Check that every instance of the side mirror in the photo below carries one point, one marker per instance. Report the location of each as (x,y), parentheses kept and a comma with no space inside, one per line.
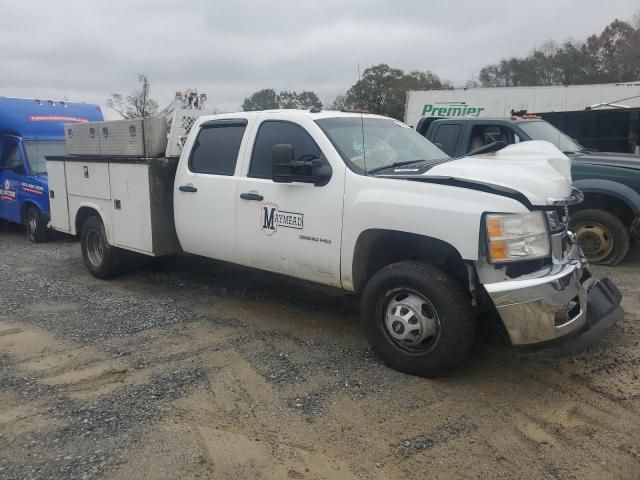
(308,169)
(282,163)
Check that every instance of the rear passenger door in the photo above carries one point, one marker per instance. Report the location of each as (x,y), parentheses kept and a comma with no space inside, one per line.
(205,189)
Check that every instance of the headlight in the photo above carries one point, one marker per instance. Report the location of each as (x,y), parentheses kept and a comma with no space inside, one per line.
(517,236)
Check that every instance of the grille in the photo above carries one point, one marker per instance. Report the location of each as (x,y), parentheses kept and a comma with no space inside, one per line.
(558,219)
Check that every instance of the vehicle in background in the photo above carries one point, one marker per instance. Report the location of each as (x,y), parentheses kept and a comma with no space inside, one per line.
(601,116)
(608,219)
(606,130)
(353,201)
(31,129)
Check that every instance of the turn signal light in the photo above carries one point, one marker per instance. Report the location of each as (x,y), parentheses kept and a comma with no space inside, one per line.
(495,227)
(498,251)
(517,236)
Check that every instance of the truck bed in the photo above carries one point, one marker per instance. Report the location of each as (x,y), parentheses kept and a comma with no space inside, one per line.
(133,195)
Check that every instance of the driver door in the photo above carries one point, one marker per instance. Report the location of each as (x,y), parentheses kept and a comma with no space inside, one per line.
(291,228)
(11,173)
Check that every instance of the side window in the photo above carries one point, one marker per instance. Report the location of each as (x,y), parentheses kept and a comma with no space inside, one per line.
(482,135)
(446,138)
(10,155)
(273,132)
(216,148)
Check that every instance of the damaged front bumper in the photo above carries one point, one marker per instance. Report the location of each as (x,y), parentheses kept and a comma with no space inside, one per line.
(561,307)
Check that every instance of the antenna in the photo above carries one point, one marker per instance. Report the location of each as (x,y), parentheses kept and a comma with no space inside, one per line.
(364,150)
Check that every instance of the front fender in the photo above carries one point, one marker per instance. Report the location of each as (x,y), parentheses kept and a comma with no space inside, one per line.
(446,213)
(622,192)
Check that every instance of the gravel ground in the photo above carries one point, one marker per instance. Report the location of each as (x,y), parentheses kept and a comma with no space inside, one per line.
(191,368)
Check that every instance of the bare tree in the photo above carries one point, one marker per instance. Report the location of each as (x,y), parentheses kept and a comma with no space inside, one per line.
(138,104)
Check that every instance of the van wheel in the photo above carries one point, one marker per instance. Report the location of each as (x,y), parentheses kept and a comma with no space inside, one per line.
(102,260)
(602,236)
(36,225)
(418,319)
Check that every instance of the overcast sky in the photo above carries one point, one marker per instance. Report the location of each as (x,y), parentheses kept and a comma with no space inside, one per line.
(86,50)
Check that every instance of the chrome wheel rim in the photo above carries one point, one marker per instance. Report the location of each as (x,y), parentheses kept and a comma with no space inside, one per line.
(95,248)
(595,240)
(411,321)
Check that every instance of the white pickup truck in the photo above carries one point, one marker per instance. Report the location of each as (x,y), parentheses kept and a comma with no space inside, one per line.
(432,244)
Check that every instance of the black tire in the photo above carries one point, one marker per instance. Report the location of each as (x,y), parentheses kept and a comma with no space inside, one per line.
(455,318)
(101,259)
(36,225)
(603,237)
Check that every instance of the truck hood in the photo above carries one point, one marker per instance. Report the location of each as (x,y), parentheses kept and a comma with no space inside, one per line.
(534,169)
(610,159)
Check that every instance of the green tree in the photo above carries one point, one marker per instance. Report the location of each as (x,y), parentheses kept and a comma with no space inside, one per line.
(267,99)
(339,103)
(308,100)
(261,100)
(572,64)
(286,99)
(303,100)
(382,89)
(611,50)
(611,56)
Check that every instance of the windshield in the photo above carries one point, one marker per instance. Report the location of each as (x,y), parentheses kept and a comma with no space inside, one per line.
(546,131)
(37,150)
(386,142)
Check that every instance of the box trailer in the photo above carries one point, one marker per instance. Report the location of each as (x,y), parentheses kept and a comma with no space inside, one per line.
(550,102)
(500,101)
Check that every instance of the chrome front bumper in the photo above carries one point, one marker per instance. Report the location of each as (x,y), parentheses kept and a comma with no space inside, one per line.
(555,303)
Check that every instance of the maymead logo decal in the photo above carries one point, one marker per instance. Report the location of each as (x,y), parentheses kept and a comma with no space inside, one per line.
(271,217)
(451,109)
(6,193)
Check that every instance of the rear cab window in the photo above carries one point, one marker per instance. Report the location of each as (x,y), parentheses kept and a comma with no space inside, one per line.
(482,135)
(446,137)
(216,148)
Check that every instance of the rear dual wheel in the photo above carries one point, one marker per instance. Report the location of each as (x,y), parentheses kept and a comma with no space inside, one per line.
(101,259)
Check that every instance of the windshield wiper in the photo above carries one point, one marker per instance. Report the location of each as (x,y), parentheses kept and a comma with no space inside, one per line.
(395,165)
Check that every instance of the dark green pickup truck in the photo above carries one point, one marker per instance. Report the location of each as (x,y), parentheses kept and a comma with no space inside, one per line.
(606,222)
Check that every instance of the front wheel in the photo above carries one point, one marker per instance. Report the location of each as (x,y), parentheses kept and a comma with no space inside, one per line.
(101,259)
(36,225)
(418,318)
(603,237)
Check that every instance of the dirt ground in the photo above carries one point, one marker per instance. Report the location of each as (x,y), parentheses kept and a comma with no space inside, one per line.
(195,369)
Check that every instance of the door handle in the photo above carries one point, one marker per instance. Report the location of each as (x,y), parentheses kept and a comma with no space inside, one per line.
(187,188)
(251,196)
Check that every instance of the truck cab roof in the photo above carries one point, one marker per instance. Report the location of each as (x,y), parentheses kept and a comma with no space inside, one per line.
(36,119)
(423,123)
(313,115)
